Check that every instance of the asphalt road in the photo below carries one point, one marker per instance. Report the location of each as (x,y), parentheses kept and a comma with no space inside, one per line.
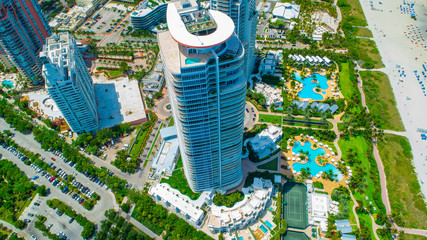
(251,116)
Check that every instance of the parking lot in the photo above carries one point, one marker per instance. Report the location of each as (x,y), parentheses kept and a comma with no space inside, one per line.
(59,223)
(104,20)
(95,215)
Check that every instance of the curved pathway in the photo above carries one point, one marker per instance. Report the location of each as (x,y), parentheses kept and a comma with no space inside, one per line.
(383,178)
(354,207)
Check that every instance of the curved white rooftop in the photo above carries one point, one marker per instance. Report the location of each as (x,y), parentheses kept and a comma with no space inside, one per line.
(178,31)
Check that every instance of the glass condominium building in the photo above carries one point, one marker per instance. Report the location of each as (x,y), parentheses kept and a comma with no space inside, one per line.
(203,60)
(69,83)
(23,31)
(244,16)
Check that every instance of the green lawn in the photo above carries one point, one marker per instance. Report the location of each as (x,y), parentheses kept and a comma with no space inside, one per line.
(276,119)
(364,32)
(380,100)
(139,141)
(154,142)
(270,118)
(180,183)
(414,237)
(352,11)
(115,73)
(171,122)
(368,52)
(272,165)
(179,164)
(403,187)
(347,82)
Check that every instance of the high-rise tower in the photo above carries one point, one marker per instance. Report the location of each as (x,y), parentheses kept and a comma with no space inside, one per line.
(69,82)
(203,68)
(244,17)
(23,31)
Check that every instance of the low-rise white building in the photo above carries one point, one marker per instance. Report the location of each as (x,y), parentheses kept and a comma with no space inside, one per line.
(286,10)
(268,64)
(257,198)
(265,142)
(155,81)
(71,20)
(312,60)
(272,95)
(182,205)
(164,162)
(320,205)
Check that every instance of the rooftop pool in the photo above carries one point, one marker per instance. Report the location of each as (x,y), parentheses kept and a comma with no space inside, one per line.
(263,229)
(311,163)
(189,61)
(309,84)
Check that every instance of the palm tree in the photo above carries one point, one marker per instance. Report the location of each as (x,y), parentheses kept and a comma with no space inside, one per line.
(307,114)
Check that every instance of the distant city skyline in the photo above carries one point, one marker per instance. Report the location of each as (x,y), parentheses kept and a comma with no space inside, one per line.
(23,31)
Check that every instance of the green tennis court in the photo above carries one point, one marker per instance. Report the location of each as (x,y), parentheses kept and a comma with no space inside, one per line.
(295,205)
(290,235)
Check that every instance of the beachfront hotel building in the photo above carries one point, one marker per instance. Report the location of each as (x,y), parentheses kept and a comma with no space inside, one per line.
(23,31)
(244,16)
(69,83)
(203,60)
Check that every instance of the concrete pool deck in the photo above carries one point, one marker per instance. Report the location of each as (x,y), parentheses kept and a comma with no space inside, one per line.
(333,160)
(326,93)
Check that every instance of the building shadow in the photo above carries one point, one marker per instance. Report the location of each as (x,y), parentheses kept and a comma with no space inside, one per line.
(108,105)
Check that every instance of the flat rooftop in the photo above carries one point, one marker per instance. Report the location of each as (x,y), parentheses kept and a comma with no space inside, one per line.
(119,101)
(174,55)
(182,24)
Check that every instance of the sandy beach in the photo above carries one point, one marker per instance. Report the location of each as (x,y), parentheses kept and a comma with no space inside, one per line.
(388,27)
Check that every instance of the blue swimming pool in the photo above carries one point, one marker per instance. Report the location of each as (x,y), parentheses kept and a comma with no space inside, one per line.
(191,61)
(8,84)
(263,229)
(240,238)
(310,83)
(269,224)
(311,163)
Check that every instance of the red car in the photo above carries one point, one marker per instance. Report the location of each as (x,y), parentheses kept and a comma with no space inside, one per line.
(51,179)
(53,159)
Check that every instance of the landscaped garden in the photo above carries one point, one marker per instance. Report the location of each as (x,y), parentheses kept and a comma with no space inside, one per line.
(179,182)
(380,100)
(16,193)
(407,204)
(271,165)
(116,227)
(228,200)
(159,220)
(365,183)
